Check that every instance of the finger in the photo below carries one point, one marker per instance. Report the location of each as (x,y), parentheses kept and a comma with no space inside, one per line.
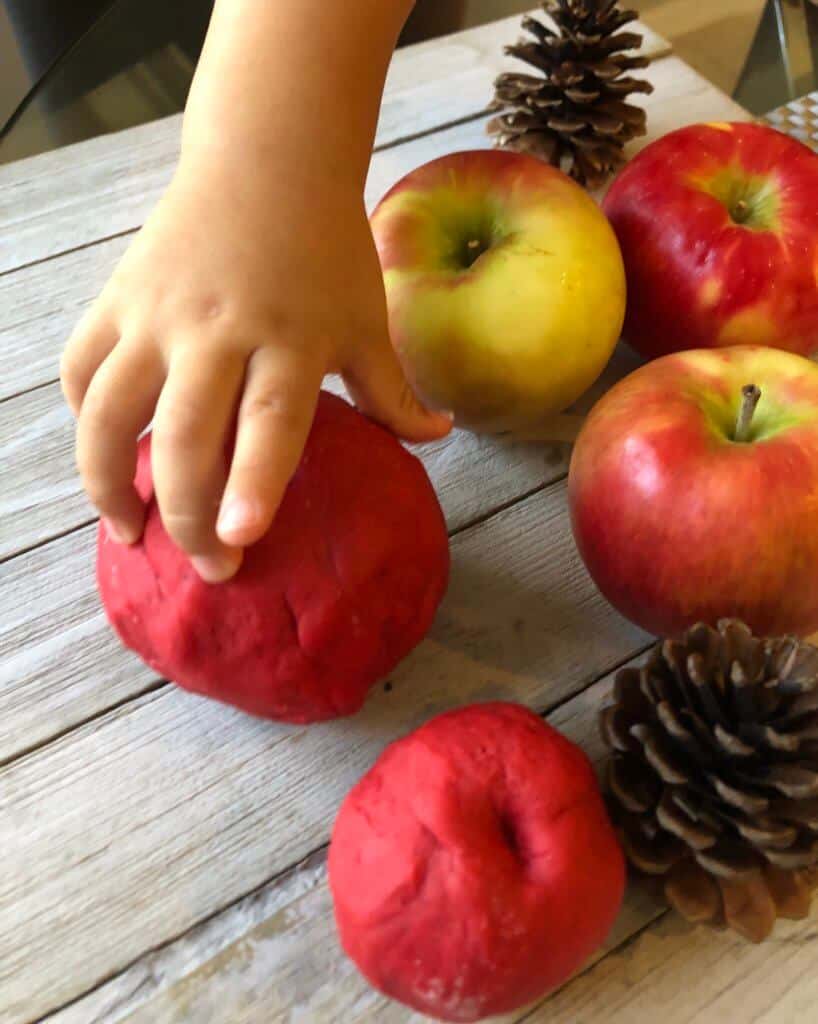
(380,390)
(91,341)
(275,417)
(193,417)
(117,407)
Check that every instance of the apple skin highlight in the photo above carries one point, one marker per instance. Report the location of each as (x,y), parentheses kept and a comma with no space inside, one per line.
(676,521)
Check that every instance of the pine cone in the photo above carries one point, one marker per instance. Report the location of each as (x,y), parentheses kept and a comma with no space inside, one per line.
(574,117)
(713,780)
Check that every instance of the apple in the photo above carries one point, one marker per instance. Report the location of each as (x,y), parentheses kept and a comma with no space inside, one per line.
(718,225)
(693,490)
(504,284)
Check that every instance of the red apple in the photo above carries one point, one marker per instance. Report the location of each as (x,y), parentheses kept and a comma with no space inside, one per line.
(718,225)
(504,284)
(682,514)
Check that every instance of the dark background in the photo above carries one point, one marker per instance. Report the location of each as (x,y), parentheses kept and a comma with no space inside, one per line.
(74,69)
(105,36)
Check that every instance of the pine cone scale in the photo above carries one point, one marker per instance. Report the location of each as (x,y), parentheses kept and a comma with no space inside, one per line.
(674,820)
(732,862)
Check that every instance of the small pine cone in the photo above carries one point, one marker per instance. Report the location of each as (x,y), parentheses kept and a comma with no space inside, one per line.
(713,778)
(574,113)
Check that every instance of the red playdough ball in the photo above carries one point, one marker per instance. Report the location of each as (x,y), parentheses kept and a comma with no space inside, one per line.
(344,584)
(474,868)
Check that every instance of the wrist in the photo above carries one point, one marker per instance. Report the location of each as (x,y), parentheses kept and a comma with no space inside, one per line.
(263,181)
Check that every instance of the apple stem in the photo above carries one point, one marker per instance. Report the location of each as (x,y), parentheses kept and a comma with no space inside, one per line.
(741,211)
(750,395)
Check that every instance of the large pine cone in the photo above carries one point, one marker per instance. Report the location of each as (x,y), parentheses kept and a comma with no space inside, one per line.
(574,115)
(714,774)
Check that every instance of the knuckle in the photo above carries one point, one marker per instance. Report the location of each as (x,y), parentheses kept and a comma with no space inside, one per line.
(191,530)
(74,361)
(101,414)
(72,379)
(104,493)
(408,400)
(276,408)
(179,426)
(280,321)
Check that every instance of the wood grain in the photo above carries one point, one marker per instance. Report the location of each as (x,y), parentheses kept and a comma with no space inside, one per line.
(60,663)
(679,974)
(39,305)
(41,496)
(274,956)
(71,197)
(134,827)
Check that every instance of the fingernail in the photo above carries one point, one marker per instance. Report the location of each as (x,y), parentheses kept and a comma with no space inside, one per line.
(235,516)
(118,533)
(215,568)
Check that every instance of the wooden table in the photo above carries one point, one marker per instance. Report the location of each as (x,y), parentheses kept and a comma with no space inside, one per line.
(163,857)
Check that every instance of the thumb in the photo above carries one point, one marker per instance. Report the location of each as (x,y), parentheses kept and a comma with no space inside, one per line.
(380,390)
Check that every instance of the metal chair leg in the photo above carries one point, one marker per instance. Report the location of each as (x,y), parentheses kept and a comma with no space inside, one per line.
(794,41)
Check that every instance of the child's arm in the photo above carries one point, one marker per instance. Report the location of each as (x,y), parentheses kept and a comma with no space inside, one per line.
(255,275)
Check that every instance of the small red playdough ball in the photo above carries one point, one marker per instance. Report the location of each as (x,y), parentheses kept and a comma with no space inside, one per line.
(474,868)
(344,584)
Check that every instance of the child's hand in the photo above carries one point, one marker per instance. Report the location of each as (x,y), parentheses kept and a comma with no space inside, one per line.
(230,304)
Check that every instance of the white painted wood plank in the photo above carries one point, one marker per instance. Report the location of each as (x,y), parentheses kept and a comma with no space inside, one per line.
(274,956)
(133,828)
(679,974)
(41,496)
(60,663)
(39,305)
(92,190)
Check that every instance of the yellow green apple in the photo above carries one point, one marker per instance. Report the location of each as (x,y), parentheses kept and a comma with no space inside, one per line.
(505,287)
